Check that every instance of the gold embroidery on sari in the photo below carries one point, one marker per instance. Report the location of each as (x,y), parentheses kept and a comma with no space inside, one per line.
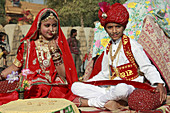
(17,62)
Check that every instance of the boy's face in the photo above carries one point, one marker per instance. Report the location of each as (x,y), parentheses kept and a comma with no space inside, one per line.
(114,30)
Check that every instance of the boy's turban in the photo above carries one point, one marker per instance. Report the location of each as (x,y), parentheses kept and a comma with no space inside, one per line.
(115,13)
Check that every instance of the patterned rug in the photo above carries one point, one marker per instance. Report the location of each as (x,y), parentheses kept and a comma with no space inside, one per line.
(162,109)
(157,46)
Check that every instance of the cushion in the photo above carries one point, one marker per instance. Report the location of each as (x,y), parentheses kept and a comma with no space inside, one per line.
(6,87)
(143,100)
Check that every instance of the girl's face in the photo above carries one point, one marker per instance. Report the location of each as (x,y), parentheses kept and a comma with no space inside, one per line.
(48,29)
(114,30)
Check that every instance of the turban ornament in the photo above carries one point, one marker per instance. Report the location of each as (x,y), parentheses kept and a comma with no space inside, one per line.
(104,6)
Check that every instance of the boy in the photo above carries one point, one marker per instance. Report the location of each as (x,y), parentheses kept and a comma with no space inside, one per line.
(122,60)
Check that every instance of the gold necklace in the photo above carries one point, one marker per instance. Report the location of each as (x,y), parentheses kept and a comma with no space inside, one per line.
(44,57)
(116,71)
(43,54)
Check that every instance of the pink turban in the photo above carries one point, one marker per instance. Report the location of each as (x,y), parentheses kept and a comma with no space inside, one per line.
(115,13)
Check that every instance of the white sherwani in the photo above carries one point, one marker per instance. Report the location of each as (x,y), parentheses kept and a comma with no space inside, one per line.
(141,59)
(97,96)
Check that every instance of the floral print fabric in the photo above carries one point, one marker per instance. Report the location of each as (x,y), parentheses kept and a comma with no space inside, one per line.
(101,39)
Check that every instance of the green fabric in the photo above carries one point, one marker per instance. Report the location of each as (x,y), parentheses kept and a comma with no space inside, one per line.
(68,109)
(138,9)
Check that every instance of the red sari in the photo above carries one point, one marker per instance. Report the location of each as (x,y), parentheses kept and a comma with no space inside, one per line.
(44,87)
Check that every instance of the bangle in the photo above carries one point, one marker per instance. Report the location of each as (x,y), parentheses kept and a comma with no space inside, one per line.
(55,55)
(56,58)
(58,62)
(53,51)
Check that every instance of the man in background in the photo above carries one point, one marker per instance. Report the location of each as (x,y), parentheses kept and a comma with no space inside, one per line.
(74,45)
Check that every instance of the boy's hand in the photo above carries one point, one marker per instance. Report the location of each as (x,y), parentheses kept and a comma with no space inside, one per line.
(160,88)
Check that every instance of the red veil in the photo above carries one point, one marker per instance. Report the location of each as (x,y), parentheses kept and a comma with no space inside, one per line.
(71,73)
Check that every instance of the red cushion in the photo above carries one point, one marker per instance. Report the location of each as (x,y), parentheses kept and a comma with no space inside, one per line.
(143,100)
(6,87)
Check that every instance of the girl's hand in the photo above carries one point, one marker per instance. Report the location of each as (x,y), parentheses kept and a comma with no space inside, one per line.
(52,45)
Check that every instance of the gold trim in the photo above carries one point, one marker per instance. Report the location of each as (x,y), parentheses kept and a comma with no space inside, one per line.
(116,70)
(51,16)
(17,62)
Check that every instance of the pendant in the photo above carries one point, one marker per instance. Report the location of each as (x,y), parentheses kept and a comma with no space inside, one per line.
(46,63)
(113,76)
(116,72)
